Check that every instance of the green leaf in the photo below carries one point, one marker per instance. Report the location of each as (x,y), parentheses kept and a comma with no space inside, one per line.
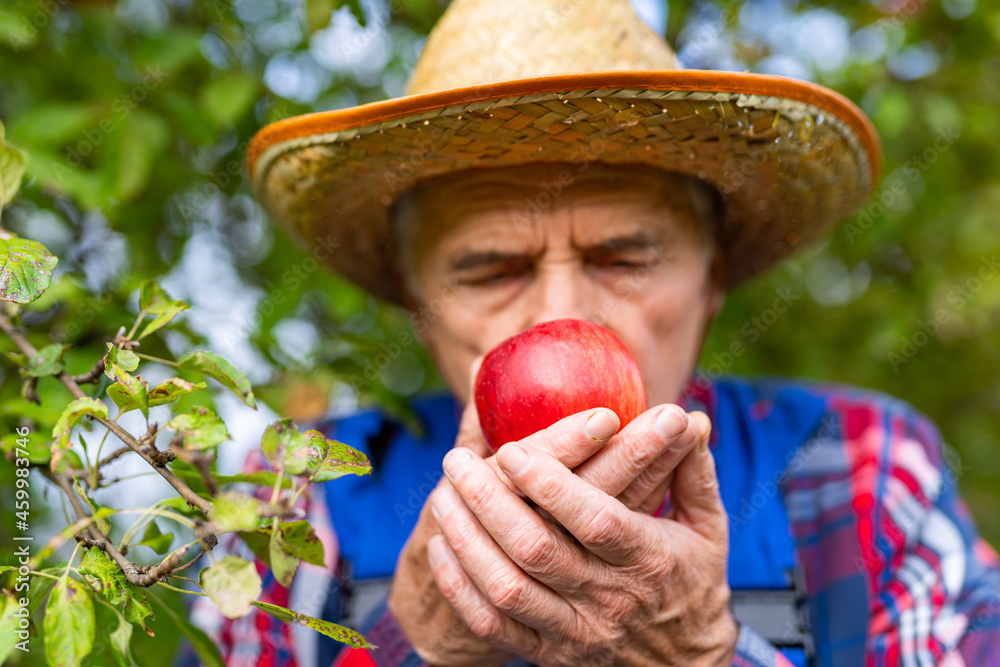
(200,430)
(289,543)
(130,392)
(258,541)
(155,301)
(35,444)
(8,624)
(215,366)
(116,358)
(108,579)
(155,540)
(171,389)
(318,14)
(234,510)
(69,624)
(25,268)
(73,412)
(283,563)
(141,140)
(233,584)
(11,171)
(116,643)
(338,632)
(226,99)
(310,453)
(202,644)
(340,459)
(300,540)
(284,447)
(69,459)
(48,361)
(180,506)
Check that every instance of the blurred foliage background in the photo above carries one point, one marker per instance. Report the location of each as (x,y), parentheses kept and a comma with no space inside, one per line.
(134,116)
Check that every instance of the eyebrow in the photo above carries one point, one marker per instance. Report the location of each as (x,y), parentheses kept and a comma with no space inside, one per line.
(474,259)
(641,240)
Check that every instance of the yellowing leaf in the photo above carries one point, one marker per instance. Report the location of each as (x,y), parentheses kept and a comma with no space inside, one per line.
(69,624)
(11,170)
(155,301)
(215,366)
(233,584)
(25,268)
(201,429)
(72,414)
(338,632)
(129,392)
(234,510)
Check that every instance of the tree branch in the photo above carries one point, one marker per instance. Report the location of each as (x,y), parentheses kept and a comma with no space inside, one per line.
(185,492)
(140,575)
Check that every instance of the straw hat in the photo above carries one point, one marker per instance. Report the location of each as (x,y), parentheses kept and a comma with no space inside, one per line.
(515,81)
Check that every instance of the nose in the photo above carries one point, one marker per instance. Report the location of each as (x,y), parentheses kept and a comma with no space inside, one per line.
(561,291)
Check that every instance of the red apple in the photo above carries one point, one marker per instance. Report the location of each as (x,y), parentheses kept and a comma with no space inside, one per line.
(551,371)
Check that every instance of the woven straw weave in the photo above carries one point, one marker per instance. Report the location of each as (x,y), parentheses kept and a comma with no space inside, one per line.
(788,169)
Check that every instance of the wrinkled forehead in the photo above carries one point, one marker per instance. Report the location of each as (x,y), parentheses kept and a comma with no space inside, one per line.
(519,195)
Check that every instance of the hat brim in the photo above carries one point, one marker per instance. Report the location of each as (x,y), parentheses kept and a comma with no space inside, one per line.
(790,158)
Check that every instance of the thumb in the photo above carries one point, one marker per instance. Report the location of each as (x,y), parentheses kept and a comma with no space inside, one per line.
(695,491)
(470,432)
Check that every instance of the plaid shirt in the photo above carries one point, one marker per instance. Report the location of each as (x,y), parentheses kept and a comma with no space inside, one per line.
(895,573)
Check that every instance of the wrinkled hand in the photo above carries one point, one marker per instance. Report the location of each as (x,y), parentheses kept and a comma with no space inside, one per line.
(621,588)
(635,465)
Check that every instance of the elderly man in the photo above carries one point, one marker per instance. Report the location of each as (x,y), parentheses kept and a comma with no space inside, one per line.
(553,162)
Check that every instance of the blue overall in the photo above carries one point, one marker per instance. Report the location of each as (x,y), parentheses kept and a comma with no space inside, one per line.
(754,437)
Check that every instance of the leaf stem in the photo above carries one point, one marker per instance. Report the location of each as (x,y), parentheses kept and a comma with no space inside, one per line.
(135,327)
(179,590)
(158,360)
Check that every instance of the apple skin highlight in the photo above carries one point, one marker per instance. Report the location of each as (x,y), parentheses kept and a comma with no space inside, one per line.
(551,371)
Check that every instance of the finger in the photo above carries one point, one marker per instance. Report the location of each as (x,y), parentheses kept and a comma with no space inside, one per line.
(574,439)
(652,503)
(470,432)
(571,440)
(637,459)
(600,522)
(469,604)
(695,491)
(538,547)
(471,521)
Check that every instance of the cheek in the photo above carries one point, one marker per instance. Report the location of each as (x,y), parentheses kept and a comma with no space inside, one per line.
(664,328)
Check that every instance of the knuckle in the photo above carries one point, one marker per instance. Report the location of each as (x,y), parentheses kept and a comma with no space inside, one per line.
(507,593)
(603,530)
(536,550)
(485,622)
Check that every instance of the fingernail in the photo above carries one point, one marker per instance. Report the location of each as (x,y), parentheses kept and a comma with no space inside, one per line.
(671,422)
(456,462)
(435,550)
(443,502)
(602,425)
(512,459)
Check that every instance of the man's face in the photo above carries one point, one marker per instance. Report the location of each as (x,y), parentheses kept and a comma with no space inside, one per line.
(495,251)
